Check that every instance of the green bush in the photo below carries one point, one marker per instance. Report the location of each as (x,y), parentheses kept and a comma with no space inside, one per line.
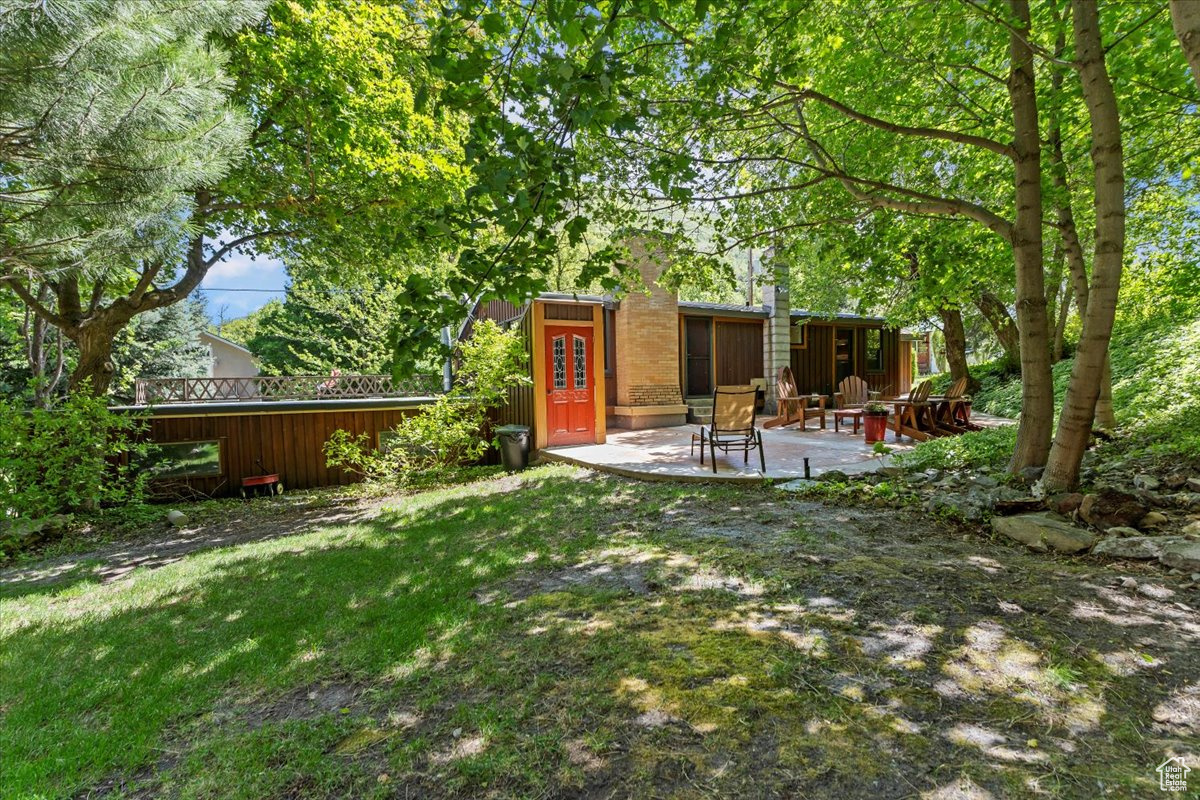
(450,431)
(990,447)
(65,459)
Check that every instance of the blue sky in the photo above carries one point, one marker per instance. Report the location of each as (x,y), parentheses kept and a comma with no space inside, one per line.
(238,272)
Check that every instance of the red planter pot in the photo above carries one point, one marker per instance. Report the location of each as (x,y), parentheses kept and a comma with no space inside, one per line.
(875,426)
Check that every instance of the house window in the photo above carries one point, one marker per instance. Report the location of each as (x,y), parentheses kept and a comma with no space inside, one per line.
(560,362)
(183,460)
(580,362)
(798,335)
(874,350)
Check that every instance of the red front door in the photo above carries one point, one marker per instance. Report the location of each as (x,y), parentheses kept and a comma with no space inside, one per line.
(570,391)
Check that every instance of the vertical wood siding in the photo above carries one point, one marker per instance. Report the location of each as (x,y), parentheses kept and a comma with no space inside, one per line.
(739,352)
(813,366)
(289,444)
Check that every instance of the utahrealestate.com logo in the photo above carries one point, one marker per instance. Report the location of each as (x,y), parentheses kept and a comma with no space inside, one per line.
(1172,775)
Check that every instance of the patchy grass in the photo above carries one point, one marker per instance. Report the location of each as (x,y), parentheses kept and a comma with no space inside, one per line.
(562,633)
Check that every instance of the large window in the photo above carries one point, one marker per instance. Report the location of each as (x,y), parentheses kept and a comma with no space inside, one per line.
(183,460)
(874,350)
(798,334)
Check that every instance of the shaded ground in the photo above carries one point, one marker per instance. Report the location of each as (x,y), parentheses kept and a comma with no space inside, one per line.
(571,635)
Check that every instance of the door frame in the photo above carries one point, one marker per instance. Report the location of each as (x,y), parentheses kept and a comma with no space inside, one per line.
(683,355)
(538,358)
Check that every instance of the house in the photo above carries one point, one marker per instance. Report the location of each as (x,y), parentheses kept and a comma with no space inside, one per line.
(650,360)
(229,359)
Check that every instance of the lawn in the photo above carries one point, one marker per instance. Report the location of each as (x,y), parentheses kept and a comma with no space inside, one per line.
(561,633)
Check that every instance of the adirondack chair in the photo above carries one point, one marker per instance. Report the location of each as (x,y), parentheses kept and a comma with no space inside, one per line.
(852,393)
(914,415)
(793,406)
(954,407)
(732,426)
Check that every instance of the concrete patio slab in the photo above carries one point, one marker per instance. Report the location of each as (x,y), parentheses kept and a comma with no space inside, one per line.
(665,454)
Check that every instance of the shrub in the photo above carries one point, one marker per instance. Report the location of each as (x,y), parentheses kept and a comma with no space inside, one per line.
(450,431)
(64,459)
(990,447)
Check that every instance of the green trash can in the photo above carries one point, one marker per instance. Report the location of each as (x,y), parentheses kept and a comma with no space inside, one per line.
(514,446)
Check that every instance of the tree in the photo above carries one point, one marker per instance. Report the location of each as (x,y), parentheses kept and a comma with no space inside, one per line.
(1185,16)
(110,112)
(323,326)
(164,343)
(346,160)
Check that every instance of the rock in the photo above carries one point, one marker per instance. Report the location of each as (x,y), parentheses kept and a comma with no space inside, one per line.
(1155,519)
(833,475)
(1140,547)
(1182,555)
(798,485)
(985,481)
(177,518)
(1121,530)
(1042,532)
(1193,484)
(1109,508)
(1176,480)
(1031,474)
(1146,482)
(1019,505)
(1065,504)
(1192,528)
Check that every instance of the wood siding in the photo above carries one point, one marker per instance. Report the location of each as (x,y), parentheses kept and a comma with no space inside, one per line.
(569,311)
(519,409)
(289,444)
(738,352)
(813,365)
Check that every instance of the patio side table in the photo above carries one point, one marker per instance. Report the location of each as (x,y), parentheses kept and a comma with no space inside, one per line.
(855,415)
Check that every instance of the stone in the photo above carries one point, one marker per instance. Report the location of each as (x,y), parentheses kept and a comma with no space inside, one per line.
(177,518)
(1121,530)
(1192,528)
(985,481)
(1182,555)
(1176,480)
(1155,519)
(1139,547)
(1193,484)
(1031,474)
(1043,532)
(1109,508)
(1146,482)
(1018,505)
(797,485)
(1065,504)
(833,475)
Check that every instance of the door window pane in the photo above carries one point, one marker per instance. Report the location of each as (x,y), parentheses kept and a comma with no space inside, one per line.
(560,362)
(580,362)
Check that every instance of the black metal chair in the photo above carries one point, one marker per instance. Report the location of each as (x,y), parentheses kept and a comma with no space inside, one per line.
(732,426)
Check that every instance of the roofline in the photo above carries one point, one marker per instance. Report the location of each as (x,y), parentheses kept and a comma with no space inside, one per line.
(591,299)
(229,342)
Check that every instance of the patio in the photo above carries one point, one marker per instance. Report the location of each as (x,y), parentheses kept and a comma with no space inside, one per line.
(665,453)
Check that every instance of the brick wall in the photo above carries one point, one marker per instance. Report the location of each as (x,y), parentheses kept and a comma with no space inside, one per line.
(647,328)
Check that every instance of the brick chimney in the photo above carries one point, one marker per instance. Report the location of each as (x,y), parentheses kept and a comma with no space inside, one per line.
(647,344)
(777,337)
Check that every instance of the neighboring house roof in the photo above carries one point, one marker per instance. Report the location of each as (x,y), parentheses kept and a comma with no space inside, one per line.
(222,340)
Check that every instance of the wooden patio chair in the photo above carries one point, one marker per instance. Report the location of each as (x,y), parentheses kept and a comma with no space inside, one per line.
(732,426)
(953,409)
(852,393)
(793,406)
(914,415)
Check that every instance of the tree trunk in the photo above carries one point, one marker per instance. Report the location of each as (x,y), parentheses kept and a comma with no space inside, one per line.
(1091,359)
(1073,251)
(1037,391)
(1185,17)
(94,372)
(1060,328)
(956,346)
(996,313)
